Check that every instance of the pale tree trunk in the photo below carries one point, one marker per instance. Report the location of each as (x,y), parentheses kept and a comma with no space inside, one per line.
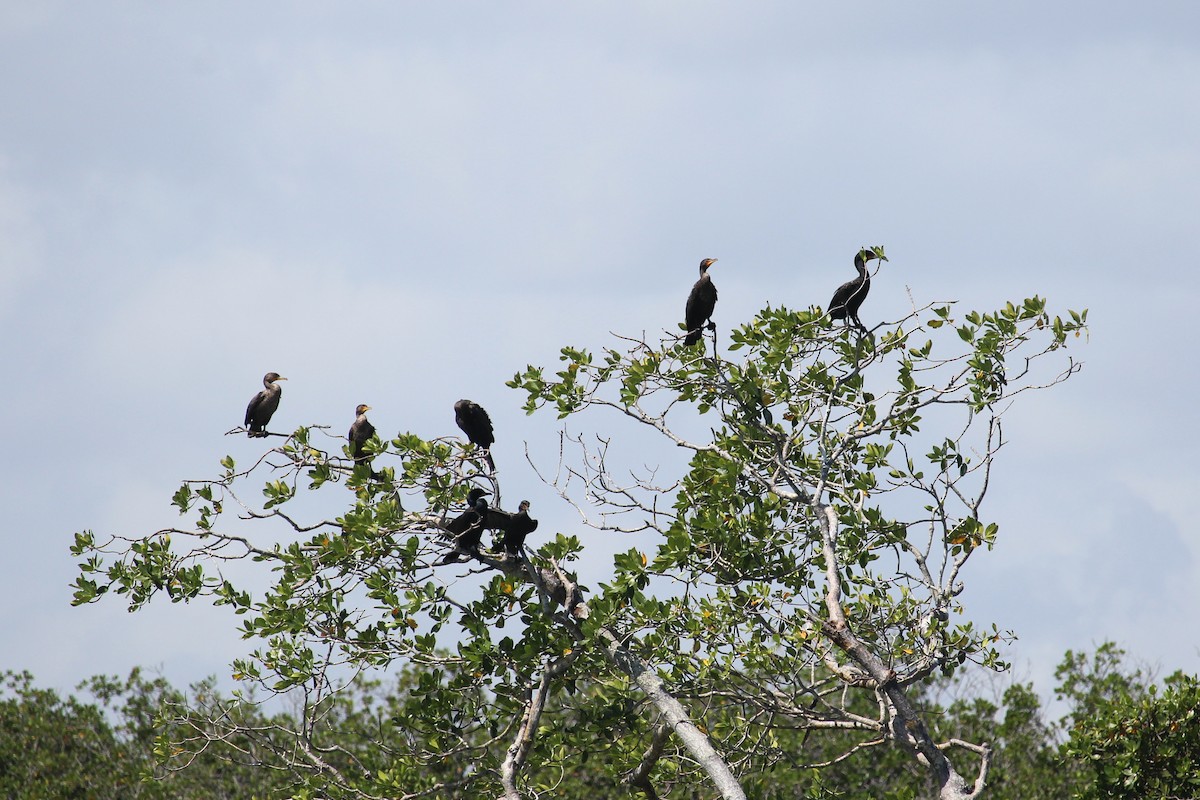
(563,592)
(675,715)
(908,729)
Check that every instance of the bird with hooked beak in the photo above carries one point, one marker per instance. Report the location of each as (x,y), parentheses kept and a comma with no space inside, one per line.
(850,295)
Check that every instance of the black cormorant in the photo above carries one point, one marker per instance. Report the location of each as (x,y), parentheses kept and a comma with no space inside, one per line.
(468,526)
(700,304)
(517,529)
(849,295)
(477,425)
(263,405)
(360,433)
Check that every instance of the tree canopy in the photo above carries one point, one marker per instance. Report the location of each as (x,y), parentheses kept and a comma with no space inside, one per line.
(803,586)
(123,742)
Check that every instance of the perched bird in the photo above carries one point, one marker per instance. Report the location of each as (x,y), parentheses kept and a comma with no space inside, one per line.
(263,405)
(360,433)
(477,425)
(519,526)
(700,304)
(849,295)
(468,526)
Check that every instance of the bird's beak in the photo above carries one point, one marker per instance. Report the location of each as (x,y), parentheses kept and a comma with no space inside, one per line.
(281,378)
(365,410)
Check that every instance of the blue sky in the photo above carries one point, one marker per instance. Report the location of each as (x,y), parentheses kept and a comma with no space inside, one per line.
(404,204)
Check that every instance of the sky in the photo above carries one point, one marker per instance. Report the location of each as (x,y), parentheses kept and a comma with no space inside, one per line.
(404,204)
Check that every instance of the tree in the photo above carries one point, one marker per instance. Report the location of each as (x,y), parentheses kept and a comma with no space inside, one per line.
(53,748)
(1026,757)
(803,581)
(1126,740)
(1130,741)
(50,747)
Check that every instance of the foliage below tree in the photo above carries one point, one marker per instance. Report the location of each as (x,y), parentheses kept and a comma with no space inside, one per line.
(1123,726)
(52,748)
(1137,743)
(1122,736)
(801,584)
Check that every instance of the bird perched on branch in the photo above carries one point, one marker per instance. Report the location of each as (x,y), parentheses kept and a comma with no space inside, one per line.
(519,526)
(700,304)
(360,433)
(477,425)
(468,526)
(262,405)
(850,295)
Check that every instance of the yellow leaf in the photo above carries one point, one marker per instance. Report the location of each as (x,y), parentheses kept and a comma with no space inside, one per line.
(643,559)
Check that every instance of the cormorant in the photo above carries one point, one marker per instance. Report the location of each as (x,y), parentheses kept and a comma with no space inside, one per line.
(263,405)
(518,528)
(468,526)
(849,295)
(360,433)
(477,425)
(700,304)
